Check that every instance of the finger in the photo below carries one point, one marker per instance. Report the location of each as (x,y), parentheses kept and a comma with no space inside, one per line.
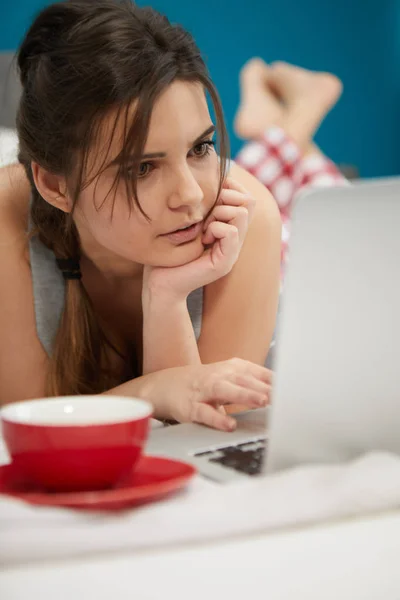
(248,367)
(233,215)
(233,184)
(252,383)
(231,198)
(224,252)
(234,198)
(228,392)
(208,415)
(228,236)
(212,216)
(228,213)
(261,373)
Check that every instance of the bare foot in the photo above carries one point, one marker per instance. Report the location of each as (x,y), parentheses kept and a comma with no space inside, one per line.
(259,108)
(308,96)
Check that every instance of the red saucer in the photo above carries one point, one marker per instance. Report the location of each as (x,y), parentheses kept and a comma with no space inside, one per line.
(153,479)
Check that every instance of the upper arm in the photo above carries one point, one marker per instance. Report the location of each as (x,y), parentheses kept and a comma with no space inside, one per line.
(23,361)
(240,309)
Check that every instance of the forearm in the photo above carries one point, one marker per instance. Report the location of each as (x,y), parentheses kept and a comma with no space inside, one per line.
(147,388)
(168,336)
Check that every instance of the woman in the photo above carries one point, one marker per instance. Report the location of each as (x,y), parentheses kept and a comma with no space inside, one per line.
(131,212)
(125,308)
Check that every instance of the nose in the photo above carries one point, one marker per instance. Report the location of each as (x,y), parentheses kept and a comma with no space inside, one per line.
(186,191)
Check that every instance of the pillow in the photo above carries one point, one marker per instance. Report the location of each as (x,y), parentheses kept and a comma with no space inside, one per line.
(10,90)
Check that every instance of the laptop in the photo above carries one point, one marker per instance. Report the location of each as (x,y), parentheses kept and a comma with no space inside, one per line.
(336,388)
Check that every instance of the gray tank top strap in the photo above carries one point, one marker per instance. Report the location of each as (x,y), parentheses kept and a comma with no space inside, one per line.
(48,292)
(195,308)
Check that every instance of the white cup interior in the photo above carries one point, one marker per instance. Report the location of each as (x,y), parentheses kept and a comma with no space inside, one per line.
(76,410)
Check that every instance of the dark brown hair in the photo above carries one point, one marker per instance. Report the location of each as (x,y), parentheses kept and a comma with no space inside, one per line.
(80,60)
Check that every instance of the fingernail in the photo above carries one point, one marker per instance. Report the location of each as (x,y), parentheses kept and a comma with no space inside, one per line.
(231,424)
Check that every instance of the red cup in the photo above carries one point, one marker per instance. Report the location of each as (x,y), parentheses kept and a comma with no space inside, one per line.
(76,443)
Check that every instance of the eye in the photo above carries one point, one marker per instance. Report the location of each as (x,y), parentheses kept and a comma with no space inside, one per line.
(203,149)
(144,170)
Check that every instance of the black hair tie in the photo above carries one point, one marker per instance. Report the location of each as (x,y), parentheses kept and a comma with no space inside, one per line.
(69,267)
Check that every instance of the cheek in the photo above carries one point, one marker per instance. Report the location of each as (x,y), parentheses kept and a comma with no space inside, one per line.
(210,183)
(125,234)
(118,229)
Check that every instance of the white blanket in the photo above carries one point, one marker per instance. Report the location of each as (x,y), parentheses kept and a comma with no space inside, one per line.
(297,497)
(8,146)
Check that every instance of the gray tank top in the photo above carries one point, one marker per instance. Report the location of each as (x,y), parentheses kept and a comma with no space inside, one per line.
(49,290)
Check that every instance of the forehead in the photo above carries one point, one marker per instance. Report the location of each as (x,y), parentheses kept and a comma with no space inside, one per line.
(180,114)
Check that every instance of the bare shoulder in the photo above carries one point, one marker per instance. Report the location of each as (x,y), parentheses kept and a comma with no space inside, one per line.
(14,201)
(22,358)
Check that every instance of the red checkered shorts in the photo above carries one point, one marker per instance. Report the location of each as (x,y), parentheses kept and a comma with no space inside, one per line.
(277,162)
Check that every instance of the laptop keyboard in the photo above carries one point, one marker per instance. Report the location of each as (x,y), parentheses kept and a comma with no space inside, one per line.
(245,458)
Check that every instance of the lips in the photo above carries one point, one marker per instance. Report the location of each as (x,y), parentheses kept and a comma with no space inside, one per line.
(183,236)
(184,227)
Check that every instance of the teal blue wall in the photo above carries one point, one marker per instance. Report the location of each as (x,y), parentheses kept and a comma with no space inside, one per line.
(359,40)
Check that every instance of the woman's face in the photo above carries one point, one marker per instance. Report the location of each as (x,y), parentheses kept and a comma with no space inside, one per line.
(177,185)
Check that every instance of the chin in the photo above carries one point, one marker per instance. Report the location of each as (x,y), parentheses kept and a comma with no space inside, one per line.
(181,255)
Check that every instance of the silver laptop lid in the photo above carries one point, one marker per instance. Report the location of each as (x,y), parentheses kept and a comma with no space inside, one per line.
(337,386)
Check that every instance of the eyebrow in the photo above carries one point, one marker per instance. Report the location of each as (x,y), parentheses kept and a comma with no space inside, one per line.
(199,139)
